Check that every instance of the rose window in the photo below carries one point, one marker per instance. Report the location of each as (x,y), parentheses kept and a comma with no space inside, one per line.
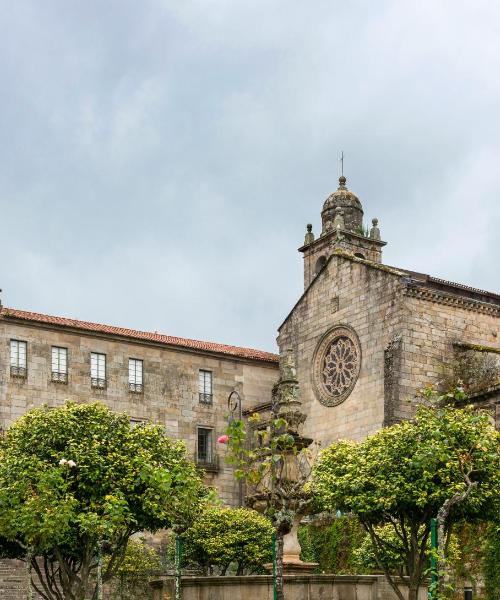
(336,365)
(339,368)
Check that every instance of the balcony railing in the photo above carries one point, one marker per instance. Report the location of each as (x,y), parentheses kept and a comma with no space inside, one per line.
(58,377)
(135,388)
(205,398)
(98,383)
(209,462)
(18,371)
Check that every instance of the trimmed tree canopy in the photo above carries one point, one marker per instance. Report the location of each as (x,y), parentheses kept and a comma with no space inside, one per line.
(404,474)
(76,479)
(221,536)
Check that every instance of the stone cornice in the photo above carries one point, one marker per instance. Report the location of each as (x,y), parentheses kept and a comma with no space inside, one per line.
(476,347)
(431,295)
(326,238)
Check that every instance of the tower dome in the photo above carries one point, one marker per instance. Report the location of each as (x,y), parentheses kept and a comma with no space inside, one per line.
(349,204)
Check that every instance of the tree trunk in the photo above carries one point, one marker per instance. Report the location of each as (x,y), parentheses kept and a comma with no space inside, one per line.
(442,515)
(29,585)
(99,571)
(413,590)
(279,567)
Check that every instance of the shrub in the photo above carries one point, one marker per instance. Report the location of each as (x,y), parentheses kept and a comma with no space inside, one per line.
(221,537)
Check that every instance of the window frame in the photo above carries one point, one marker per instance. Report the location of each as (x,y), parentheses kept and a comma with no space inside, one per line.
(205,397)
(135,386)
(59,376)
(18,370)
(98,382)
(209,453)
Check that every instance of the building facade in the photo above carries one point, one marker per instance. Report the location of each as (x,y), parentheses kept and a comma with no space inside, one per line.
(180,384)
(366,336)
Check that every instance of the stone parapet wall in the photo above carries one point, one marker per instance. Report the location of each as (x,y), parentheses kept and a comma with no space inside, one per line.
(297,587)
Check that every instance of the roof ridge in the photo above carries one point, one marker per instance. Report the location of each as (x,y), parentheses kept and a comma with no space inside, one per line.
(240,351)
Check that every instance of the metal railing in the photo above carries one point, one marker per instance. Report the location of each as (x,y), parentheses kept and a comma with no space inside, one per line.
(205,398)
(97,382)
(136,388)
(18,371)
(58,377)
(208,462)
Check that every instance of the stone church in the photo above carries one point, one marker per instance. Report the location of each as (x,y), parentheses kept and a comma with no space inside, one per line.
(366,336)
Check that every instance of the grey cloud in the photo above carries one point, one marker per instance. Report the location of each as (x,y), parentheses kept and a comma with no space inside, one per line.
(160,159)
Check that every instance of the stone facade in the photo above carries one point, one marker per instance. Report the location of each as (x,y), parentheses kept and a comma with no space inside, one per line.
(170,395)
(398,331)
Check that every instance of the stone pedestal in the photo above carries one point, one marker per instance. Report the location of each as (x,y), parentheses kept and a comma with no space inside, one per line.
(291,552)
(292,565)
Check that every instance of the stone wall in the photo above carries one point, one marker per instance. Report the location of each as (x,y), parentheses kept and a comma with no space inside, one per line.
(431,328)
(370,301)
(297,587)
(170,397)
(406,337)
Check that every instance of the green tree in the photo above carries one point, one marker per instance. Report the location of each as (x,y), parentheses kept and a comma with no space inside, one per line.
(220,537)
(392,553)
(79,481)
(403,475)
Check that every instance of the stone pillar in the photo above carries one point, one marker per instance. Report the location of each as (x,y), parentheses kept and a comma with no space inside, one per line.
(291,552)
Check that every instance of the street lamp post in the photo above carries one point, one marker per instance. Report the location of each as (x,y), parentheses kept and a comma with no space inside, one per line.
(234,403)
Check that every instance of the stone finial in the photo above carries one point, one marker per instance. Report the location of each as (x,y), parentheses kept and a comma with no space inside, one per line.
(338,221)
(289,370)
(375,231)
(342,182)
(1,299)
(309,239)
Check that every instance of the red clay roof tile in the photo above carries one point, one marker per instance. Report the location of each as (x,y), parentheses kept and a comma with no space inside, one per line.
(248,353)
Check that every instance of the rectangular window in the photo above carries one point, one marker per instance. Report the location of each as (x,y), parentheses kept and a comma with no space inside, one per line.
(204,452)
(205,386)
(135,375)
(18,364)
(59,364)
(97,370)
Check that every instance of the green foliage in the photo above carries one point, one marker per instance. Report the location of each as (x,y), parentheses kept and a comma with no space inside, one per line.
(77,476)
(392,552)
(275,467)
(474,371)
(492,562)
(223,536)
(402,475)
(413,467)
(332,545)
(131,578)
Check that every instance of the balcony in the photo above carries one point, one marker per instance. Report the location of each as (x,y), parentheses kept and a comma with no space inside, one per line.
(205,398)
(209,463)
(135,388)
(58,377)
(20,372)
(97,383)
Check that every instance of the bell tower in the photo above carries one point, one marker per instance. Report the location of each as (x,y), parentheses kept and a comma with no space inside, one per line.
(342,228)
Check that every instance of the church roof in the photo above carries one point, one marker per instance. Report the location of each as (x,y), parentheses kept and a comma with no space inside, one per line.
(414,280)
(342,197)
(167,340)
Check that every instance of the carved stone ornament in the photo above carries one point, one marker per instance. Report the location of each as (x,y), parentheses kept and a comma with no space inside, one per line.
(336,365)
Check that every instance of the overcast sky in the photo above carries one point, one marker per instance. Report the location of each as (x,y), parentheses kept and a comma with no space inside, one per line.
(159,160)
